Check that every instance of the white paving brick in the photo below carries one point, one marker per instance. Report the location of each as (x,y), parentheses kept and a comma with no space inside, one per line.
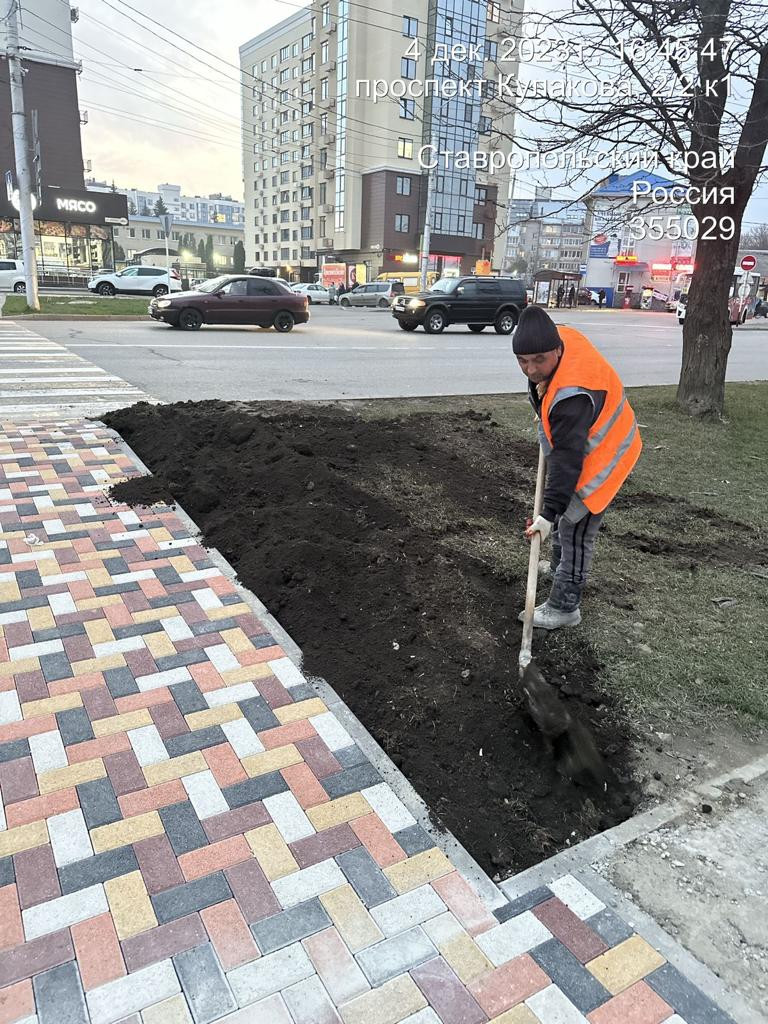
(230,694)
(176,628)
(133,992)
(207,598)
(53,526)
(204,794)
(338,969)
(425,1016)
(389,808)
(443,928)
(64,577)
(129,518)
(69,837)
(290,819)
(243,738)
(512,938)
(575,896)
(148,745)
(199,574)
(272,973)
(286,672)
(303,885)
(167,678)
(331,731)
(128,643)
(271,1010)
(35,650)
(403,912)
(552,1006)
(62,604)
(134,577)
(8,617)
(222,657)
(10,709)
(33,556)
(309,1003)
(47,751)
(64,911)
(395,956)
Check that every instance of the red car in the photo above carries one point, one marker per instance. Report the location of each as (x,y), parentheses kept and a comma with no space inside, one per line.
(233,299)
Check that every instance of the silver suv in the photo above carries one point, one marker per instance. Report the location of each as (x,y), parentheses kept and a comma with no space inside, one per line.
(377,295)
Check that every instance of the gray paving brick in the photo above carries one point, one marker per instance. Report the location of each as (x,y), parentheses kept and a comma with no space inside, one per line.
(28,578)
(291,925)
(59,996)
(260,640)
(366,877)
(180,597)
(349,756)
(98,803)
(24,604)
(610,927)
(251,790)
(116,588)
(74,726)
(211,626)
(13,750)
(231,599)
(582,988)
(167,575)
(55,666)
(7,872)
(258,713)
(414,839)
(207,991)
(96,869)
(120,682)
(188,697)
(351,780)
(179,660)
(116,566)
(395,956)
(525,902)
(185,899)
(692,1005)
(183,827)
(59,632)
(304,691)
(136,629)
(185,742)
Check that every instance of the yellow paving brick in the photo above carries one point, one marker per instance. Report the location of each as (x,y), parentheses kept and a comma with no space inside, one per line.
(424,867)
(170,1011)
(465,957)
(269,849)
(87,603)
(246,673)
(271,760)
(213,716)
(50,705)
(176,768)
(390,1003)
(344,808)
(159,533)
(228,610)
(301,709)
(625,964)
(71,775)
(150,614)
(352,920)
(9,592)
(129,830)
(80,668)
(130,904)
(236,639)
(41,618)
(181,563)
(518,1015)
(23,837)
(12,668)
(159,644)
(121,723)
(99,577)
(99,631)
(49,476)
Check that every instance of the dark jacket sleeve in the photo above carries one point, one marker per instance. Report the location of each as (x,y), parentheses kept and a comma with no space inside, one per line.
(570,420)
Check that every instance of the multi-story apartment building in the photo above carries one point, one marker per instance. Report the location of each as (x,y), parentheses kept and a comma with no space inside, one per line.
(332,175)
(545,234)
(212,209)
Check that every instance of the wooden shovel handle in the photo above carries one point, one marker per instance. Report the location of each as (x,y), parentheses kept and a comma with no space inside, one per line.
(533,571)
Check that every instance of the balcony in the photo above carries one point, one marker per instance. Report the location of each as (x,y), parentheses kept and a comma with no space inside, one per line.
(328,65)
(328,139)
(324,243)
(327,173)
(326,208)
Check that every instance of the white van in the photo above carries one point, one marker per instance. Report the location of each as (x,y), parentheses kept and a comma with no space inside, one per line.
(12,276)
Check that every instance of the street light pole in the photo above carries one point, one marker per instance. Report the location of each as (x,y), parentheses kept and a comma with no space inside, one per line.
(425,236)
(21,151)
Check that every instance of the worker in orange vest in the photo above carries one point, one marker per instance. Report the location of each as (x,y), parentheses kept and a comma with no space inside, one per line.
(591,441)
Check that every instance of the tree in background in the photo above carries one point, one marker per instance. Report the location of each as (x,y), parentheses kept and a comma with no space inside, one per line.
(119,252)
(131,208)
(160,208)
(201,251)
(210,264)
(755,238)
(238,257)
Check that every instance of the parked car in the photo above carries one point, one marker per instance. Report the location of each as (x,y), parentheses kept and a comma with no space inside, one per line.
(586,297)
(234,299)
(135,280)
(682,305)
(475,301)
(314,292)
(377,295)
(12,275)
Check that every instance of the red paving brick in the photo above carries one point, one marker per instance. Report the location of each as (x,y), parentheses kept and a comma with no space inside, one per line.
(638,1004)
(229,934)
(99,956)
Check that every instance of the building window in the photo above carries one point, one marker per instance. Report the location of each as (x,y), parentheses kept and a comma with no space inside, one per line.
(325,15)
(306,233)
(491,49)
(410,27)
(324,89)
(323,52)
(308,65)
(146,233)
(493,10)
(402,222)
(407,67)
(405,148)
(407,109)
(485,125)
(295,50)
(478,231)
(285,52)
(403,185)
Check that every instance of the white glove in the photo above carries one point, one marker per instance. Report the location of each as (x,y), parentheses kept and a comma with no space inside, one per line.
(541,526)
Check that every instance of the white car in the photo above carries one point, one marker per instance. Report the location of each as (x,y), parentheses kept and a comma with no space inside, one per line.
(12,276)
(135,280)
(313,292)
(682,305)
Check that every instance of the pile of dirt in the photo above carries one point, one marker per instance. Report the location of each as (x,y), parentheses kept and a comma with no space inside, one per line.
(392,552)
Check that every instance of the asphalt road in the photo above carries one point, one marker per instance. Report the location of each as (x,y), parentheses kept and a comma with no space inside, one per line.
(363,354)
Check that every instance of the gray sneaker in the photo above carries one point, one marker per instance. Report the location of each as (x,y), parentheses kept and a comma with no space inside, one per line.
(547,617)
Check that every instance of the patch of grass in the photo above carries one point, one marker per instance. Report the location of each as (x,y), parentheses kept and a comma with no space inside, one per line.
(92,305)
(689,528)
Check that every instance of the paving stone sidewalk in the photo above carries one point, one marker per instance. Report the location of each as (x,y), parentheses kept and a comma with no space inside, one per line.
(188,834)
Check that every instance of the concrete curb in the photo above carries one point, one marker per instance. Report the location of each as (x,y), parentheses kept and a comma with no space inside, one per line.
(74,316)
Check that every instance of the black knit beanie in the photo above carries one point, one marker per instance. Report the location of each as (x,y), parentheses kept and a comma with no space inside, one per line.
(535,332)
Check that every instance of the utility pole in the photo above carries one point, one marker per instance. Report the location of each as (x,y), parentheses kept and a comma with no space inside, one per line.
(425,237)
(21,151)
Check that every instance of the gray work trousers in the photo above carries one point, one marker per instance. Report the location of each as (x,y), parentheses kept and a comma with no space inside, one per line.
(573,545)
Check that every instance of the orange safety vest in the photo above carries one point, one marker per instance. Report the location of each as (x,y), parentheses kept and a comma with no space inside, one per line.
(613,442)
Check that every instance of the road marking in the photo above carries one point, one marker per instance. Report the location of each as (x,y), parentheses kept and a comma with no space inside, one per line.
(260,348)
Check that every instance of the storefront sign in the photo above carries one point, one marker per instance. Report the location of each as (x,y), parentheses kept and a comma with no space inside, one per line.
(75,207)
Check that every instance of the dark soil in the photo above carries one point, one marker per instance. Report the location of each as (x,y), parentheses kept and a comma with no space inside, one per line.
(392,552)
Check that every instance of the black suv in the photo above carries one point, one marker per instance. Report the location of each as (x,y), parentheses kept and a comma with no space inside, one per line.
(476,301)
